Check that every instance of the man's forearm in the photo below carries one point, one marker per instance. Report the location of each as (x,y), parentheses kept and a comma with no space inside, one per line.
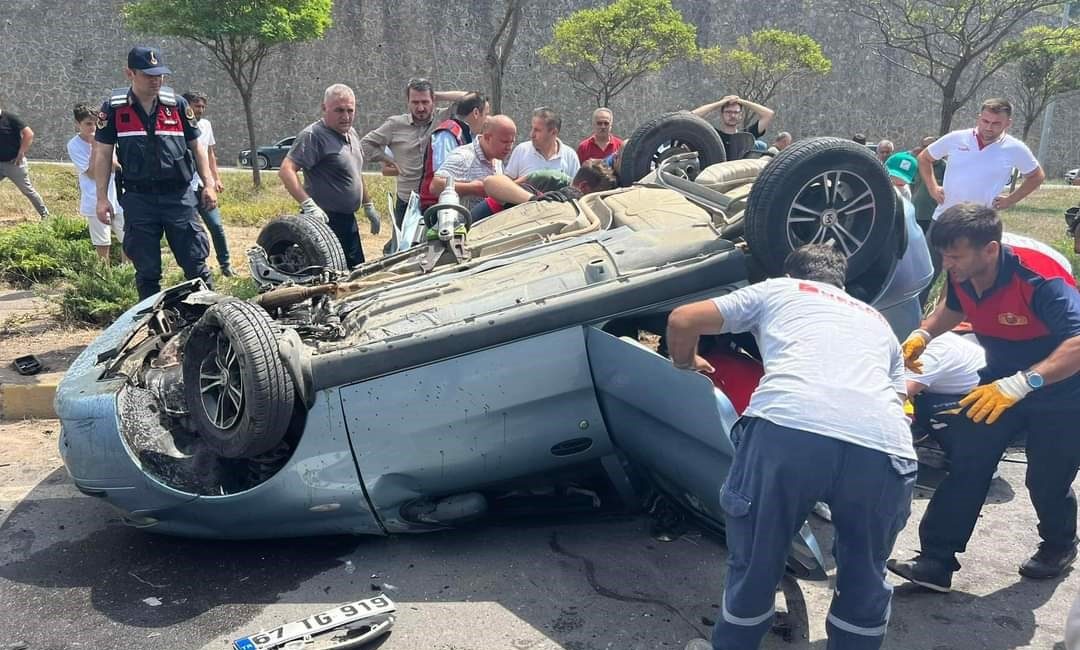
(705,109)
(24,144)
(212,156)
(449,95)
(202,164)
(764,113)
(1031,183)
(101,157)
(926,168)
(942,319)
(291,180)
(469,188)
(1063,362)
(685,326)
(373,146)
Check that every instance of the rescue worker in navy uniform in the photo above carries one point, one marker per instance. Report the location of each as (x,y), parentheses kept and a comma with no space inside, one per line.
(1025,310)
(156,137)
(826,423)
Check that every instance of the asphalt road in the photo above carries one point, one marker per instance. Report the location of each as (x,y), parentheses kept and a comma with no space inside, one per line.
(73,576)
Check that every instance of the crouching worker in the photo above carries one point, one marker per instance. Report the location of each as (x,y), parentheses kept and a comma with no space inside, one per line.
(826,423)
(543,185)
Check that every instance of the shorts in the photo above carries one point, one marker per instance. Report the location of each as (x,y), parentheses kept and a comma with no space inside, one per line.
(99,232)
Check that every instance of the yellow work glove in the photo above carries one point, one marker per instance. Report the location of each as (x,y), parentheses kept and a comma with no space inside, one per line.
(913,347)
(989,401)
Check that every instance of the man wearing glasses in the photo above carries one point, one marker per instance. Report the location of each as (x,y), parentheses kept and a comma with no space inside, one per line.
(602,143)
(731,112)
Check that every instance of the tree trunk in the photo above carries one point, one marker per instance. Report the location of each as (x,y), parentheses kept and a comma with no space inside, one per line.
(498,53)
(948,110)
(1029,121)
(496,89)
(245,97)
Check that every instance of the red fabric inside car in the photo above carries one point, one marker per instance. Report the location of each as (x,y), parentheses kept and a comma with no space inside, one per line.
(737,374)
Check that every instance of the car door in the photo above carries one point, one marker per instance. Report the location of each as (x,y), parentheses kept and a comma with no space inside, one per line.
(674,426)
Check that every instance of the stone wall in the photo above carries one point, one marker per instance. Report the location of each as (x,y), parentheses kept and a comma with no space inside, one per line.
(59,52)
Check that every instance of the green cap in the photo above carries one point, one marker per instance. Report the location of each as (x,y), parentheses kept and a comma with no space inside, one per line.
(902,165)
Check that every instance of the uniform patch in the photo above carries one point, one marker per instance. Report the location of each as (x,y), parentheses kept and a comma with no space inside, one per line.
(102,120)
(190,115)
(1011,319)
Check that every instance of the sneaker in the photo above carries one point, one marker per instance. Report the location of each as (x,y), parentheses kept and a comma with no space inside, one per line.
(227,271)
(1048,562)
(935,575)
(698,644)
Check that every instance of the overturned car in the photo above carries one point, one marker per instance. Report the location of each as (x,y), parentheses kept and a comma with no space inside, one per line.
(480,372)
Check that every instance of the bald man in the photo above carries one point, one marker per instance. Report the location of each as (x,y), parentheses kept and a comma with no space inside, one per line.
(470,164)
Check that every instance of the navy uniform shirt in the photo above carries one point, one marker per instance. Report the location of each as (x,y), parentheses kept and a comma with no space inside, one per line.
(150,148)
(1031,309)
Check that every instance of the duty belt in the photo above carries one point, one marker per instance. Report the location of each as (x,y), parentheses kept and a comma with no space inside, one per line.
(154,187)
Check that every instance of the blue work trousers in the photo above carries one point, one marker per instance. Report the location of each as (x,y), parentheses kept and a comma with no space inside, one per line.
(777,476)
(212,219)
(974,451)
(146,217)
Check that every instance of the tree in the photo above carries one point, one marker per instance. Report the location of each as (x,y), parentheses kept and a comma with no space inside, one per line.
(764,61)
(606,49)
(238,33)
(499,48)
(1045,64)
(948,42)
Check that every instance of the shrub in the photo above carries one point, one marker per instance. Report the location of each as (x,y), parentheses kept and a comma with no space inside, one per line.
(98,294)
(43,250)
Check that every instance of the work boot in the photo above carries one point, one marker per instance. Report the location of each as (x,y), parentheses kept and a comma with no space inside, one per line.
(698,644)
(1048,562)
(926,572)
(227,271)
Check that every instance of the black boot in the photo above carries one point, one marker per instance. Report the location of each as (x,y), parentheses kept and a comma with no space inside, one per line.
(1048,562)
(925,572)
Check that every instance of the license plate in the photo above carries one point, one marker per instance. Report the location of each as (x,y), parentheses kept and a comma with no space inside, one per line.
(377,608)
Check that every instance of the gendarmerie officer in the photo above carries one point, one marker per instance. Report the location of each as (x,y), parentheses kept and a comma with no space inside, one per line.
(156,137)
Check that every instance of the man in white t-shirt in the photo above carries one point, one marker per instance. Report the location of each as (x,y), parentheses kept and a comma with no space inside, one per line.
(79,149)
(211,216)
(826,423)
(981,161)
(544,149)
(951,365)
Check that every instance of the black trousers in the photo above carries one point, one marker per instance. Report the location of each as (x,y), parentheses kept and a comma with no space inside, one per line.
(400,207)
(146,217)
(1053,454)
(344,226)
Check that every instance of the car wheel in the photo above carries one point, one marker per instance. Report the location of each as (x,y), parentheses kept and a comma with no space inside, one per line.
(238,392)
(295,243)
(262,161)
(818,190)
(666,136)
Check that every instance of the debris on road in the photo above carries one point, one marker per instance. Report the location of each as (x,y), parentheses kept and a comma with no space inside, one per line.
(152,601)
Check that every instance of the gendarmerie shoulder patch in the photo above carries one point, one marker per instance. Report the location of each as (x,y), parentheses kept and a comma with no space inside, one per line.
(102,119)
(190,115)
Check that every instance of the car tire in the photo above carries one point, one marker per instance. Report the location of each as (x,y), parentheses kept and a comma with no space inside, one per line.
(294,243)
(238,392)
(790,204)
(672,132)
(262,161)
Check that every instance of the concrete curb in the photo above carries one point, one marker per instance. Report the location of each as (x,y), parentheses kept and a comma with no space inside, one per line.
(19,401)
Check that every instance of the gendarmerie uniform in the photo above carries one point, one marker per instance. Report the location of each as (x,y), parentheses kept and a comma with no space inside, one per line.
(158,167)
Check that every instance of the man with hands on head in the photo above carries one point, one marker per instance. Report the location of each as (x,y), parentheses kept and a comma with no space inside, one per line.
(826,423)
(731,116)
(1024,308)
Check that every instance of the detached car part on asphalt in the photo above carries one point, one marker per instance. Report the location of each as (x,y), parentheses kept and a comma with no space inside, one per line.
(420,391)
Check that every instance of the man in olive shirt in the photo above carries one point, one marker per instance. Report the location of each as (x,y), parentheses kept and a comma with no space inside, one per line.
(407,136)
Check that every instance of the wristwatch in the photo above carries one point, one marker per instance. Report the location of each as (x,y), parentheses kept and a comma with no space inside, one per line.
(1034,379)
